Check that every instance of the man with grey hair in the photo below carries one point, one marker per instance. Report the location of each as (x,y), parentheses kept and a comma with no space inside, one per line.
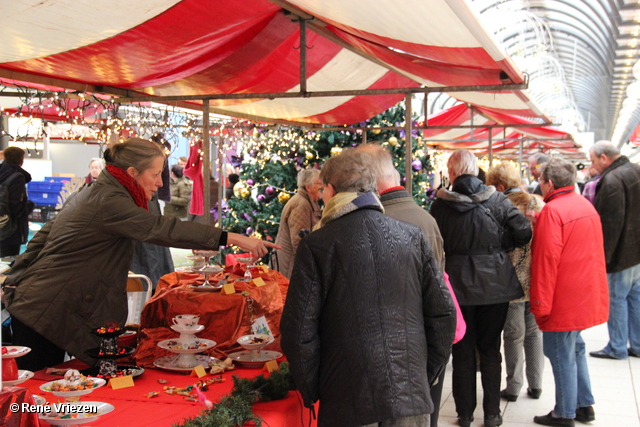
(300,213)
(368,322)
(479,225)
(617,201)
(568,289)
(535,163)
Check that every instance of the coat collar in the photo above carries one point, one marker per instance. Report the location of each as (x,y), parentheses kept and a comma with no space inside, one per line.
(559,192)
(344,203)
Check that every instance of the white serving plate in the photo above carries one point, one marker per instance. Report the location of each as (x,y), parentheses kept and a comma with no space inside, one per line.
(22,377)
(179,329)
(165,344)
(47,387)
(103,408)
(246,341)
(251,360)
(15,351)
(169,362)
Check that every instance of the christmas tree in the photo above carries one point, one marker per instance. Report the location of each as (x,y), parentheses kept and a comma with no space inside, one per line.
(273,158)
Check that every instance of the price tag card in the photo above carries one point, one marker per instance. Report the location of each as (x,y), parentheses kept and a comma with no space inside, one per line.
(198,371)
(228,289)
(264,268)
(121,382)
(271,366)
(260,326)
(258,281)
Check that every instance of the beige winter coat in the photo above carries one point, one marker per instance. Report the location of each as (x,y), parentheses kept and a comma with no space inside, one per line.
(72,278)
(299,213)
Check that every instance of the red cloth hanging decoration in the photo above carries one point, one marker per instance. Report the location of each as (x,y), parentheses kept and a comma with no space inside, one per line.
(193,170)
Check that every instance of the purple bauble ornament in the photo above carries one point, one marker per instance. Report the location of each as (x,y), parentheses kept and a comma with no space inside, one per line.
(416,165)
(250,181)
(261,198)
(249,231)
(404,180)
(269,191)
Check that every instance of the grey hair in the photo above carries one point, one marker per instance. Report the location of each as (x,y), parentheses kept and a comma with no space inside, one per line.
(605,147)
(381,162)
(307,177)
(559,171)
(539,158)
(96,159)
(463,162)
(349,172)
(134,152)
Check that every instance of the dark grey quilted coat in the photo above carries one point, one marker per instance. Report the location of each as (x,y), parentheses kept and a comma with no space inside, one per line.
(368,320)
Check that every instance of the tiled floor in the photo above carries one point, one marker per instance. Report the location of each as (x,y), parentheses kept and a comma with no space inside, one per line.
(615,385)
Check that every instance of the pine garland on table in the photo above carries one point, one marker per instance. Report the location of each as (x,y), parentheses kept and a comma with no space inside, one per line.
(235,409)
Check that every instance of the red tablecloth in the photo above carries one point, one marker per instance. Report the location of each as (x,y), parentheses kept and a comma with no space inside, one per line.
(11,396)
(134,409)
(226,317)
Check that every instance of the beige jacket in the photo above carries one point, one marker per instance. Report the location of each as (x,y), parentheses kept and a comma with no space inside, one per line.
(299,213)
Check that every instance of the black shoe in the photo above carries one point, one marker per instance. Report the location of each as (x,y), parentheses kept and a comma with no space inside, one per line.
(585,414)
(493,420)
(534,393)
(508,397)
(465,421)
(550,420)
(631,353)
(601,354)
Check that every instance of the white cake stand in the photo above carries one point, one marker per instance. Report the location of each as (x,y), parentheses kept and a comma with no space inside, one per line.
(186,347)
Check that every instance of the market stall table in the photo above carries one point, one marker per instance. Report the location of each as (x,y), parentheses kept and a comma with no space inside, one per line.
(225,317)
(134,408)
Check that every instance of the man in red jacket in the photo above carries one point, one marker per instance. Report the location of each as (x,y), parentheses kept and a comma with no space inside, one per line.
(569,290)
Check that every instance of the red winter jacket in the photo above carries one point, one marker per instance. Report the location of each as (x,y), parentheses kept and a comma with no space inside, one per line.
(569,290)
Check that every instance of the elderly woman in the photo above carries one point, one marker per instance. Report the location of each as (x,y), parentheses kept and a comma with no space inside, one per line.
(520,330)
(95,167)
(478,225)
(302,212)
(72,278)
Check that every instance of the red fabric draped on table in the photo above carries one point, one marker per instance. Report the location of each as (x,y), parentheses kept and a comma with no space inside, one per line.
(226,317)
(16,395)
(134,408)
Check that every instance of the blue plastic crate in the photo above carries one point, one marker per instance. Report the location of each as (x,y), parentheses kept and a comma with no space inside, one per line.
(45,186)
(57,178)
(44,198)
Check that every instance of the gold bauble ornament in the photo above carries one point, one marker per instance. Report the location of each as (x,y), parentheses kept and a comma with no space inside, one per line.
(393,141)
(244,192)
(284,197)
(376,131)
(336,151)
(309,155)
(237,188)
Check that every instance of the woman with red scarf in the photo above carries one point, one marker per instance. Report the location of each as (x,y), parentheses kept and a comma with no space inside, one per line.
(72,278)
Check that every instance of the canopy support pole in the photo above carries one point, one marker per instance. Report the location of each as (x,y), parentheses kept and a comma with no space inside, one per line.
(303,55)
(490,148)
(206,161)
(520,157)
(408,144)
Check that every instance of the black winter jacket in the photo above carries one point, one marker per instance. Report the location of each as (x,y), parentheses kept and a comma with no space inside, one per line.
(618,203)
(479,268)
(368,323)
(18,203)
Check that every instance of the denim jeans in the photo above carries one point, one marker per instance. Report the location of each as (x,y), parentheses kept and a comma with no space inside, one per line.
(566,352)
(624,312)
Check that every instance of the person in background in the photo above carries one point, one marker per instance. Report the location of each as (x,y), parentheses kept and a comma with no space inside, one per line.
(479,225)
(301,212)
(72,278)
(535,163)
(180,195)
(95,167)
(568,289)
(16,178)
(182,161)
(233,180)
(618,203)
(589,190)
(368,322)
(399,204)
(521,331)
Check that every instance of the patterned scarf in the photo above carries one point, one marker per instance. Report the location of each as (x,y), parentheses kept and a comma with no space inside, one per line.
(130,184)
(343,203)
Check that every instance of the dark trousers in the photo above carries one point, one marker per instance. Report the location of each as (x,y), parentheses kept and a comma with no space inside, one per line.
(484,329)
(436,397)
(43,352)
(7,250)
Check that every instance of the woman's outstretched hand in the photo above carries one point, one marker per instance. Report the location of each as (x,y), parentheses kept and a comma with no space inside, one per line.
(257,247)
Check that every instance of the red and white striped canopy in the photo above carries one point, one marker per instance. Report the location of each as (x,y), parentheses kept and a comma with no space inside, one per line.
(505,139)
(197,47)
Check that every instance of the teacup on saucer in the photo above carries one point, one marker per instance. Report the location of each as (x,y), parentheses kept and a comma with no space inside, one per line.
(186,321)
